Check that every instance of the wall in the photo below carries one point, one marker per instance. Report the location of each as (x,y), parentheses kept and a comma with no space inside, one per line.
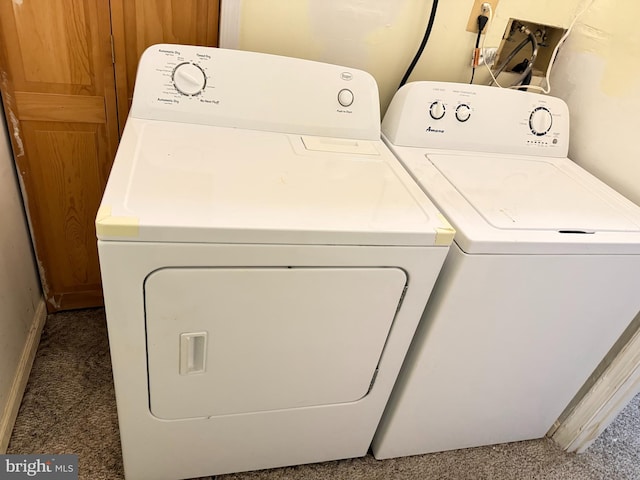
(21,305)
(381,36)
(598,74)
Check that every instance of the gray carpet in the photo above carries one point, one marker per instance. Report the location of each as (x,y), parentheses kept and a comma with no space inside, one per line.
(69,407)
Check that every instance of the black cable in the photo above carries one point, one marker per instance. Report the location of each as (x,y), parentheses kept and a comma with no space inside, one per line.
(425,38)
(482,22)
(521,68)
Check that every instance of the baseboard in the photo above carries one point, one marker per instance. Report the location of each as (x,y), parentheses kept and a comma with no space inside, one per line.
(22,375)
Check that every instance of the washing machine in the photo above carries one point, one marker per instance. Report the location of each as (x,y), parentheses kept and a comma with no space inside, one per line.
(540,282)
(265,261)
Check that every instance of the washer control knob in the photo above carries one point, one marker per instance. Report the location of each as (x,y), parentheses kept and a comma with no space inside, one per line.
(463,112)
(540,121)
(345,97)
(437,110)
(189,79)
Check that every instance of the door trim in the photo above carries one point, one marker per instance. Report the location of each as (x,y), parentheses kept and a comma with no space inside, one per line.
(230,23)
(612,390)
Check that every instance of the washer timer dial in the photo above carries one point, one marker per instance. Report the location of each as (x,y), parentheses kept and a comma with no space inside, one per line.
(437,110)
(540,121)
(189,79)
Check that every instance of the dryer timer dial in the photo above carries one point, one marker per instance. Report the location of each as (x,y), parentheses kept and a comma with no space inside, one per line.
(189,79)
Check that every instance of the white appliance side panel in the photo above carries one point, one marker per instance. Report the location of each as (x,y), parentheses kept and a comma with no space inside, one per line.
(505,343)
(270,338)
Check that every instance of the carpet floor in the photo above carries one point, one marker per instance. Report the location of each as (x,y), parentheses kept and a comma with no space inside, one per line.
(69,407)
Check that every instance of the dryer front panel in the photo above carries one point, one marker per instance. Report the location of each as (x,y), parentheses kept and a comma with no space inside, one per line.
(226,341)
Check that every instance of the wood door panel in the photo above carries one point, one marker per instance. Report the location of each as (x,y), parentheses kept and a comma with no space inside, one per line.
(40,27)
(58,91)
(137,24)
(60,108)
(71,190)
(53,44)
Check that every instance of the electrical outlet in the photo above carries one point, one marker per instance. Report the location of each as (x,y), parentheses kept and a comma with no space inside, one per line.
(472,25)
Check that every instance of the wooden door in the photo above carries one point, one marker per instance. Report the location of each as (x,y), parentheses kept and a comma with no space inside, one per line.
(58,89)
(138,24)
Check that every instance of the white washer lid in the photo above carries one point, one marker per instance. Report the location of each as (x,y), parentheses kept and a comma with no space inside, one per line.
(175,182)
(554,200)
(514,193)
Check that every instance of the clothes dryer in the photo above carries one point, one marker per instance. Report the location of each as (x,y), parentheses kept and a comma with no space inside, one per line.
(265,262)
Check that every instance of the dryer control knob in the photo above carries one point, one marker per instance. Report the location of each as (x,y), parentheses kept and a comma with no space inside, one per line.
(189,79)
(463,112)
(437,110)
(345,97)
(540,121)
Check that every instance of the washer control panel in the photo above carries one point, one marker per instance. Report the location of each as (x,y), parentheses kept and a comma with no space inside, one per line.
(477,118)
(234,88)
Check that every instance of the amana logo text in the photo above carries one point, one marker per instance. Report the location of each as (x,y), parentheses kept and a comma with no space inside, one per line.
(434,130)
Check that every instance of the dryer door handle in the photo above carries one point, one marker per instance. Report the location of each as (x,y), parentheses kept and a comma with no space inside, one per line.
(193,353)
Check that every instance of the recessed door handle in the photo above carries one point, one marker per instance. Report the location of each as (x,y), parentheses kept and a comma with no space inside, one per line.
(193,353)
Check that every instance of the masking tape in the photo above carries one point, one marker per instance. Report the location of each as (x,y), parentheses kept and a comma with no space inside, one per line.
(444,234)
(109,226)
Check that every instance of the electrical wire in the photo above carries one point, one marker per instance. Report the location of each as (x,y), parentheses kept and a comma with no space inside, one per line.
(547,88)
(482,22)
(425,39)
(473,70)
(482,47)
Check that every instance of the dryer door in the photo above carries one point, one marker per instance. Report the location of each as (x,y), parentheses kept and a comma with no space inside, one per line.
(236,340)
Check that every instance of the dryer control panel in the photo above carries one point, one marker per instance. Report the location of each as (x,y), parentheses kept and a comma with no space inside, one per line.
(234,88)
(477,118)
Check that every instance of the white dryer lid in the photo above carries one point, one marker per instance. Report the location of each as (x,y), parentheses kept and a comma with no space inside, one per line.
(175,182)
